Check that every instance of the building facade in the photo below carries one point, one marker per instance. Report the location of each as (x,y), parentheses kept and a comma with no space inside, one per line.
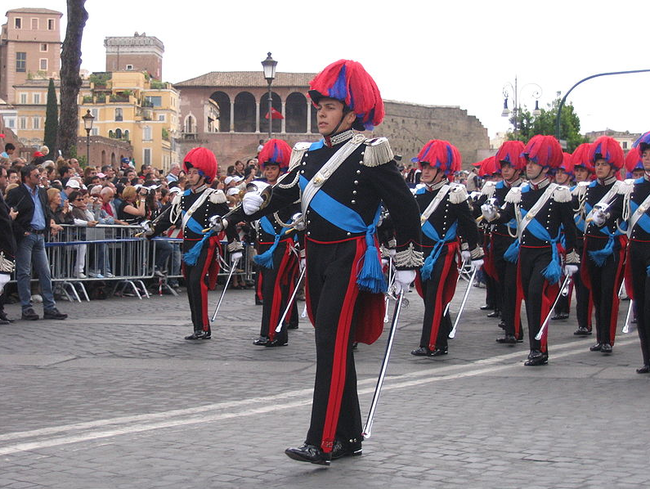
(30,47)
(137,53)
(241,101)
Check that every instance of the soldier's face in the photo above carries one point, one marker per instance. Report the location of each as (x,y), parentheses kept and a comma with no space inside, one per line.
(330,114)
(581,173)
(562,177)
(194,177)
(430,174)
(534,171)
(603,169)
(508,172)
(272,172)
(645,156)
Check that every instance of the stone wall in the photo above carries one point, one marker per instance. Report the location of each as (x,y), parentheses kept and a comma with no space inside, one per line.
(411,126)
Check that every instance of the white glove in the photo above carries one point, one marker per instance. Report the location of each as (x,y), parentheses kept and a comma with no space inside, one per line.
(599,218)
(4,279)
(489,211)
(217,224)
(403,280)
(147,228)
(236,257)
(570,269)
(476,264)
(465,256)
(251,203)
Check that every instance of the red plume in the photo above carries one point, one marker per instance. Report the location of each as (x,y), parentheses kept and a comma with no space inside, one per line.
(580,157)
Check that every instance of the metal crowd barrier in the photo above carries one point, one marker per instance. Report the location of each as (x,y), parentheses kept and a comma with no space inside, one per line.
(115,253)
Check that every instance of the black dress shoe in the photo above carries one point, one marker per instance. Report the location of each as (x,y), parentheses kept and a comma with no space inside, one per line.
(439,351)
(54,314)
(508,339)
(258,302)
(486,307)
(276,342)
(606,348)
(596,347)
(423,351)
(536,358)
(29,315)
(643,370)
(502,324)
(494,314)
(560,315)
(309,453)
(261,341)
(292,326)
(582,331)
(346,449)
(199,335)
(4,319)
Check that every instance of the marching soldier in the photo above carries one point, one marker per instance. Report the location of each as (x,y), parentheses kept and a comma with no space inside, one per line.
(191,212)
(277,253)
(341,181)
(543,211)
(583,170)
(512,162)
(446,216)
(605,242)
(563,175)
(639,252)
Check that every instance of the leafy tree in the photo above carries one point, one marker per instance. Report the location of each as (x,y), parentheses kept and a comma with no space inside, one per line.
(51,119)
(70,79)
(529,125)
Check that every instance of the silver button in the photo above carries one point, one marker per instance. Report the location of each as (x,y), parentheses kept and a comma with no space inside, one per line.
(348,233)
(354,192)
(353,201)
(358,172)
(308,233)
(356,182)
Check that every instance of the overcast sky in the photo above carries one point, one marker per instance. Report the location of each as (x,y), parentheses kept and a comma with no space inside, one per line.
(458,53)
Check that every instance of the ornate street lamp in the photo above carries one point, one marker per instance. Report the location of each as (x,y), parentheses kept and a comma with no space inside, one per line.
(88,126)
(269,65)
(512,91)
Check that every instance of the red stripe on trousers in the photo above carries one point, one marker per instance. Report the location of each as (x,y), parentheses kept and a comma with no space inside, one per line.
(204,286)
(448,282)
(339,362)
(276,304)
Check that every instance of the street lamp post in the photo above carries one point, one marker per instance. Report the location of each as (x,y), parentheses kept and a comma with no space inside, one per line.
(88,126)
(269,65)
(514,92)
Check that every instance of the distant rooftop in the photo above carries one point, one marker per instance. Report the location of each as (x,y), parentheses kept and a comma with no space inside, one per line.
(246,79)
(33,11)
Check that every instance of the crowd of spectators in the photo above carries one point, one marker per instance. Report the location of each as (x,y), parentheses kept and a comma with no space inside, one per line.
(83,197)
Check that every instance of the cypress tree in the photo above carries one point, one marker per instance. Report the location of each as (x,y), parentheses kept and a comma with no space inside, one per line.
(51,120)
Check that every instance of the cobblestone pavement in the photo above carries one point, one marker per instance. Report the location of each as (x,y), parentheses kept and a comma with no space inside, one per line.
(114,398)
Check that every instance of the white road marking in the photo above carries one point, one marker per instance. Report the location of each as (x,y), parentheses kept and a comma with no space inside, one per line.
(125,425)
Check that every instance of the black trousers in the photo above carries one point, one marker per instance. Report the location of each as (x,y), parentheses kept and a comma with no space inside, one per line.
(437,293)
(196,280)
(538,293)
(277,286)
(332,294)
(507,284)
(639,262)
(605,282)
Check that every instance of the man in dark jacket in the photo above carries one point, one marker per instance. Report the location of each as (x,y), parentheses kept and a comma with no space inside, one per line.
(30,227)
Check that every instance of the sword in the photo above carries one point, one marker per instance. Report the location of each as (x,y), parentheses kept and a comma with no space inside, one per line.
(367,430)
(291,299)
(452,334)
(225,288)
(550,312)
(626,326)
(460,274)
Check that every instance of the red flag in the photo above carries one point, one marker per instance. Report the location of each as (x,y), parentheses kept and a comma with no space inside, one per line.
(274,114)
